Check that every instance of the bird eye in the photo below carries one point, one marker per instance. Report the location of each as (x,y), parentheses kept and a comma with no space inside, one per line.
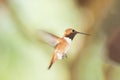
(73,30)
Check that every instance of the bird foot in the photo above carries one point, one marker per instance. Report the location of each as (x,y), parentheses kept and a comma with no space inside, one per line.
(64,56)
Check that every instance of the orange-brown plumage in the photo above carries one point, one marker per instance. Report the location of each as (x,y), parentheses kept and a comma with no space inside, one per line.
(54,58)
(61,45)
(59,51)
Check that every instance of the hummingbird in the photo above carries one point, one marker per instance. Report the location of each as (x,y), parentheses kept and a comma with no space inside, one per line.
(60,44)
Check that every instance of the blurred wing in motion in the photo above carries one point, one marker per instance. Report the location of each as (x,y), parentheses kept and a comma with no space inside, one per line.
(47,37)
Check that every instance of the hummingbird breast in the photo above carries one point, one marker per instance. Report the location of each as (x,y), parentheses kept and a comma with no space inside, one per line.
(62,47)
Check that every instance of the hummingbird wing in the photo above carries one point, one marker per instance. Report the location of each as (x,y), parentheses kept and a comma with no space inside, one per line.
(47,37)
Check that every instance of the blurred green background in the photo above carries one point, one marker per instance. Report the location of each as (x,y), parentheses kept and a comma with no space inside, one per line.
(24,57)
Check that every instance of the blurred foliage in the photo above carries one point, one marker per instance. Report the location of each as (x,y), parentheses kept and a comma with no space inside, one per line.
(24,57)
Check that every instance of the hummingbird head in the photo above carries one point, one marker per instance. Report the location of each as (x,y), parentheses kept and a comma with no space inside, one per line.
(70,33)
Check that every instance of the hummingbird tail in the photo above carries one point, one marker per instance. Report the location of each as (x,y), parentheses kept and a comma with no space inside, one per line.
(54,57)
(51,63)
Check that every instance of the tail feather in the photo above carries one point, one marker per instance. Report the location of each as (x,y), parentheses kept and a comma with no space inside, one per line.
(54,58)
(51,63)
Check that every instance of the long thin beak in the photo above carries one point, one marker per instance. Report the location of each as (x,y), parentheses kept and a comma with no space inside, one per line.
(83,33)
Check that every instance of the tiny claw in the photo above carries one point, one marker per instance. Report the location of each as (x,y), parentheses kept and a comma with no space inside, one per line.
(65,55)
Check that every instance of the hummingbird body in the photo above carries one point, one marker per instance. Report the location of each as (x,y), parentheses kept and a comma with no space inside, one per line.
(61,45)
(60,50)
